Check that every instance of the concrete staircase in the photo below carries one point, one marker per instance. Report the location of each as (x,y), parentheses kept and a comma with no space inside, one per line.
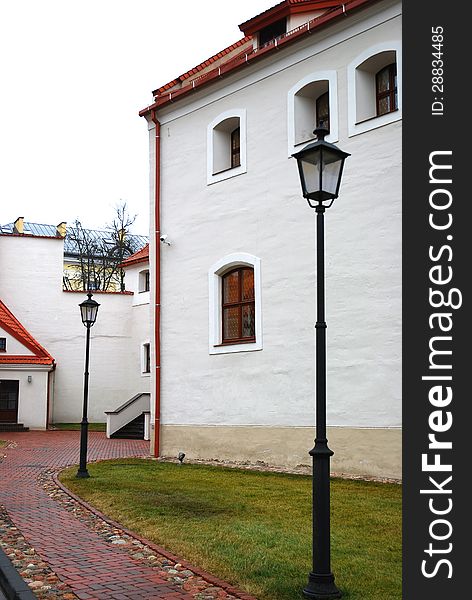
(134,430)
(131,420)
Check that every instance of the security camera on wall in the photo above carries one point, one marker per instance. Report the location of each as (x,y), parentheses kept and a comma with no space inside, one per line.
(164,239)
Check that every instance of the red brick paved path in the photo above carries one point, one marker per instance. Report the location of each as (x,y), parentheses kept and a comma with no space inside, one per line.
(80,558)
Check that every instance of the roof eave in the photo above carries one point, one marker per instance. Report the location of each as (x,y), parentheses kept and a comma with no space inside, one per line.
(221,72)
(18,363)
(131,263)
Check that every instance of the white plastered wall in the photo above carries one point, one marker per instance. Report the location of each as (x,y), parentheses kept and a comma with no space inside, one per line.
(261,212)
(141,320)
(31,287)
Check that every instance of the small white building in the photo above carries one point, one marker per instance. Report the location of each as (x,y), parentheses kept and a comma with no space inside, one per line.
(26,376)
(233,257)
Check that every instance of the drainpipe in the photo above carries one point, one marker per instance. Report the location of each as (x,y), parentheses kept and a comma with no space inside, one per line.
(48,396)
(157,279)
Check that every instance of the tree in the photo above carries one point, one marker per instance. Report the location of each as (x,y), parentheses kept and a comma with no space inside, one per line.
(97,254)
(123,244)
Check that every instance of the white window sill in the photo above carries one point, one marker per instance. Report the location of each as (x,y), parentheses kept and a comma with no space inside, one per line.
(374,122)
(226,174)
(231,348)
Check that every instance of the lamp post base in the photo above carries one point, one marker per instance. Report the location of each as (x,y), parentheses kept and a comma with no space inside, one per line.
(321,587)
(82,474)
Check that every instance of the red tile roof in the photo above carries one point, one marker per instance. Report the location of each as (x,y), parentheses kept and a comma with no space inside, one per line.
(229,62)
(181,78)
(138,257)
(10,324)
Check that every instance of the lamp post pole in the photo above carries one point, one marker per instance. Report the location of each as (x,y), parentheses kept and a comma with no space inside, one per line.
(320,580)
(320,166)
(88,311)
(82,472)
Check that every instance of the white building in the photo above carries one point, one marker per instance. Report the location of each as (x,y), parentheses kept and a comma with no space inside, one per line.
(233,371)
(42,355)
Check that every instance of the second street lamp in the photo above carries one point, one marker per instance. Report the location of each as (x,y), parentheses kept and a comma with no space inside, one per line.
(88,312)
(320,166)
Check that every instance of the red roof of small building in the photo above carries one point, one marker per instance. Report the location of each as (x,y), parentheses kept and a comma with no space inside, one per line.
(138,257)
(10,324)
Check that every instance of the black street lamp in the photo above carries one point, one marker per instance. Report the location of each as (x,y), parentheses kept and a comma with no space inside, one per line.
(88,312)
(321,165)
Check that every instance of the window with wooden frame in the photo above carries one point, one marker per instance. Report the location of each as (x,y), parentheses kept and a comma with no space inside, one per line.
(322,110)
(226,146)
(374,86)
(235,304)
(3,344)
(236,148)
(311,100)
(386,89)
(238,306)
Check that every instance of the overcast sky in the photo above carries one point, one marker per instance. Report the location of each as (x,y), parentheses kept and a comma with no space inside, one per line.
(74,76)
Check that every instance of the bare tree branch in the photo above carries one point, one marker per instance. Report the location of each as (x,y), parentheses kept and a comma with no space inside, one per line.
(98,254)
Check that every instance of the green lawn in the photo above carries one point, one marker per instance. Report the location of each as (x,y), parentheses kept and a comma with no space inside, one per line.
(76,426)
(254,528)
(3,443)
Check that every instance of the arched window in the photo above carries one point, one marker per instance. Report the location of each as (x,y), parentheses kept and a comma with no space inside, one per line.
(386,89)
(375,88)
(226,146)
(235,304)
(311,100)
(238,306)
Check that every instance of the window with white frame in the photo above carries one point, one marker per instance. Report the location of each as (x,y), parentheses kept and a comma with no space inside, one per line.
(226,146)
(146,359)
(144,281)
(374,88)
(235,321)
(310,101)
(3,344)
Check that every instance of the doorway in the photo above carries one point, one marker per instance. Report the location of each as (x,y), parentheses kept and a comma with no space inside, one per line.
(9,400)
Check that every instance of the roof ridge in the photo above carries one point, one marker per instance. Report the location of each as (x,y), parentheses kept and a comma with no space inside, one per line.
(111,230)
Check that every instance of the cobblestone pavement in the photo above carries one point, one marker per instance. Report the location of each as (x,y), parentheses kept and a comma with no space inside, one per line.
(65,551)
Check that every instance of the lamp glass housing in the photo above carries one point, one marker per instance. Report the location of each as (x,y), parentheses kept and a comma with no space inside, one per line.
(88,311)
(320,165)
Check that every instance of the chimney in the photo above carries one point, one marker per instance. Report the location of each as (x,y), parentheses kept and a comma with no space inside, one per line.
(18,225)
(61,229)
